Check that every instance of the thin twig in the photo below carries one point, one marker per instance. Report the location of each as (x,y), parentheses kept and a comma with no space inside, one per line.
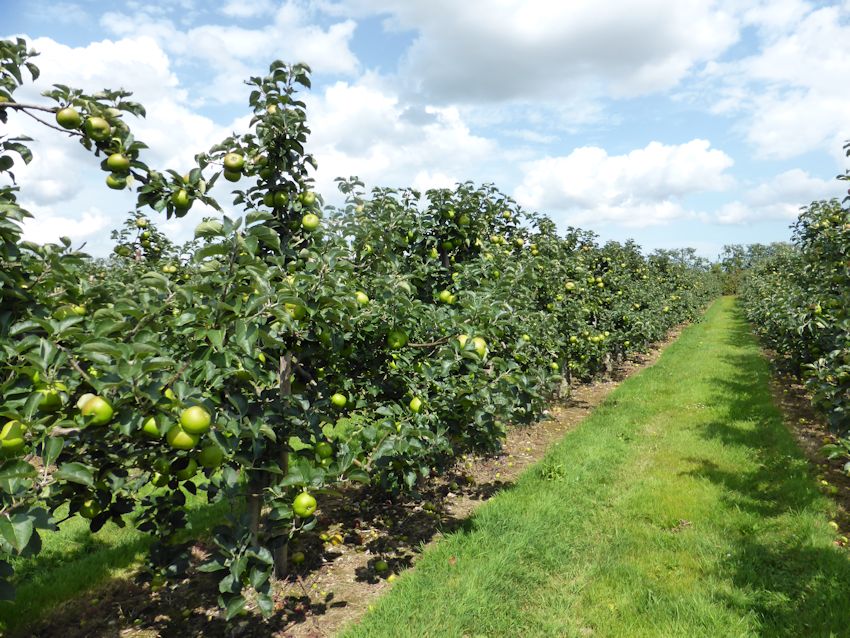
(148,318)
(177,375)
(74,363)
(22,106)
(429,345)
(53,126)
(64,431)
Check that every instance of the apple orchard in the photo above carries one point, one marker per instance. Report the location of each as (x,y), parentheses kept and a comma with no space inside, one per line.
(288,351)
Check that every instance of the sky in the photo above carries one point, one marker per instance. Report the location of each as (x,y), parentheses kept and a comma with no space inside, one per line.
(676,123)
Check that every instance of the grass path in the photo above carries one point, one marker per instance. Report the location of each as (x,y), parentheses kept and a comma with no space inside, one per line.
(681,507)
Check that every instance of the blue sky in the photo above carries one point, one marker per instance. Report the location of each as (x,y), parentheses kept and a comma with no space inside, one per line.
(674,122)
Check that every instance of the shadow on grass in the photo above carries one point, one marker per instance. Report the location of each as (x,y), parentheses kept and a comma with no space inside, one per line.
(85,562)
(120,607)
(793,587)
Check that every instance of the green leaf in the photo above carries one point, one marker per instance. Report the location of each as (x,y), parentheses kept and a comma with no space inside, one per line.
(16,469)
(76,473)
(234,606)
(258,216)
(210,250)
(266,235)
(209,229)
(257,577)
(359,476)
(101,347)
(214,565)
(297,444)
(17,530)
(52,448)
(216,338)
(266,604)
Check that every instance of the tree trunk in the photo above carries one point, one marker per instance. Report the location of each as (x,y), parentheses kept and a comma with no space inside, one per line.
(280,554)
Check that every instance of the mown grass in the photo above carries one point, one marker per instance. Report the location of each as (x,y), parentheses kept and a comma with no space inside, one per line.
(681,507)
(73,561)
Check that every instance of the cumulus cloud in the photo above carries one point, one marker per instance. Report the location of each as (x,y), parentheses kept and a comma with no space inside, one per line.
(234,52)
(780,198)
(363,129)
(481,51)
(63,178)
(241,9)
(48,227)
(794,92)
(641,188)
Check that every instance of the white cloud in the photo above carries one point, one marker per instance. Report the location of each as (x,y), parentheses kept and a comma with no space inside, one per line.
(794,93)
(242,9)
(481,50)
(222,53)
(64,178)
(364,130)
(780,198)
(641,188)
(47,227)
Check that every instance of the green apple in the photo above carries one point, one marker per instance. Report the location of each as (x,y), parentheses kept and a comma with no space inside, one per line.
(116,181)
(90,508)
(12,437)
(304,505)
(195,420)
(310,222)
(84,399)
(150,428)
(97,411)
(339,400)
(480,346)
(118,163)
(296,311)
(68,118)
(181,199)
(211,456)
(179,439)
(415,405)
(187,472)
(397,339)
(233,162)
(97,128)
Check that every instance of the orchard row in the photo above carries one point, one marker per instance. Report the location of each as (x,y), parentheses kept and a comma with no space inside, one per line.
(289,349)
(798,298)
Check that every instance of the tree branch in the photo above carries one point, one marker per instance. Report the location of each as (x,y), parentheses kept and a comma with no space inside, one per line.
(22,106)
(431,344)
(53,126)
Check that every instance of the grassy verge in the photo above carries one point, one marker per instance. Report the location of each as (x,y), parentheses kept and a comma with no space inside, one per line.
(680,507)
(73,560)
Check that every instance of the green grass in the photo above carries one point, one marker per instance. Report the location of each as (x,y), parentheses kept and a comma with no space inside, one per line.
(681,507)
(73,561)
